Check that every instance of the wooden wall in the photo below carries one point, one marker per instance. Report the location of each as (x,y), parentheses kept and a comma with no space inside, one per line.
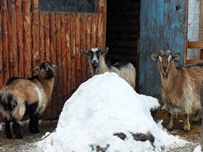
(163,26)
(29,37)
(122,33)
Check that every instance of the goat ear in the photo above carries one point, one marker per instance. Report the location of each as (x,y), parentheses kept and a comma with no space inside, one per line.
(84,52)
(154,56)
(54,66)
(36,69)
(105,51)
(176,56)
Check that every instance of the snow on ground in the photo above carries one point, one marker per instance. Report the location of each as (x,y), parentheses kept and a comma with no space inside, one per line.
(100,107)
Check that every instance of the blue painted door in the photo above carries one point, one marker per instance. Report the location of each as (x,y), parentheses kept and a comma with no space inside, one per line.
(162,27)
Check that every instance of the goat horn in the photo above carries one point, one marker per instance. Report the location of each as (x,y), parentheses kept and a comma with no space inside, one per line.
(161,52)
(37,68)
(168,51)
(54,66)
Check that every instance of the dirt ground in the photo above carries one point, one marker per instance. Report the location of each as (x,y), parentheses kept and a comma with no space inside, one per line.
(194,135)
(26,144)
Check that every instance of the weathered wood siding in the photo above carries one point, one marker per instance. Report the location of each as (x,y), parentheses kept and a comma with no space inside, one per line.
(123,29)
(29,37)
(162,27)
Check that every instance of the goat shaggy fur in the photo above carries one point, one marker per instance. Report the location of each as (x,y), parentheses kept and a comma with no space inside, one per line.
(180,85)
(98,66)
(20,96)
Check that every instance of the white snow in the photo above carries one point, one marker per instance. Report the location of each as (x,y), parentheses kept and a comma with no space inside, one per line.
(100,107)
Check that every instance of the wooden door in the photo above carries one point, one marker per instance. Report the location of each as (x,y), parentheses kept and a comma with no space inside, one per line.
(162,27)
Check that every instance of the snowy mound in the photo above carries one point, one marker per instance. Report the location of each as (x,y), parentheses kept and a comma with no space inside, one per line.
(105,113)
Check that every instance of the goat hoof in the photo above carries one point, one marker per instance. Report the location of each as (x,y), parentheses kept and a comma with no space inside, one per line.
(9,136)
(186,129)
(19,137)
(169,128)
(32,130)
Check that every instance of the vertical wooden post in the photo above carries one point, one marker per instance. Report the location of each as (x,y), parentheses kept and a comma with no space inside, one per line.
(19,30)
(35,34)
(1,51)
(5,39)
(77,50)
(68,49)
(72,53)
(27,38)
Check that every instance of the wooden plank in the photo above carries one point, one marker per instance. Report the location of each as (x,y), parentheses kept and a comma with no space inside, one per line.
(20,47)
(5,39)
(59,61)
(83,38)
(41,37)
(35,34)
(122,37)
(194,44)
(123,44)
(88,44)
(47,57)
(27,38)
(46,36)
(73,72)
(127,29)
(64,55)
(77,51)
(93,31)
(193,61)
(123,22)
(13,61)
(53,102)
(1,52)
(101,22)
(68,49)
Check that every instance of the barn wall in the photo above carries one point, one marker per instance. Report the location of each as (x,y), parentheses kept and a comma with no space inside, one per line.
(29,37)
(162,27)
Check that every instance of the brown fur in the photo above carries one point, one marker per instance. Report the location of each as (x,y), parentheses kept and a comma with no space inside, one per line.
(180,86)
(21,92)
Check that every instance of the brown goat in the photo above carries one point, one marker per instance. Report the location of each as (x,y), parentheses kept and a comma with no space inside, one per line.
(20,96)
(180,86)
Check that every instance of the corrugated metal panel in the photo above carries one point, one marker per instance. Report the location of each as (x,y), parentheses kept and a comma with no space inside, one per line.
(162,27)
(28,37)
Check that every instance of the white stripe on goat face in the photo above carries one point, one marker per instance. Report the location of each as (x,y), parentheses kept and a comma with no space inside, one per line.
(95,55)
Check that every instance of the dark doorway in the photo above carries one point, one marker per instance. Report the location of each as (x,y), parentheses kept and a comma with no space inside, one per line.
(122,32)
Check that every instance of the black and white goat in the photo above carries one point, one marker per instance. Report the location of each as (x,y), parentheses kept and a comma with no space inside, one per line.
(20,96)
(180,86)
(98,66)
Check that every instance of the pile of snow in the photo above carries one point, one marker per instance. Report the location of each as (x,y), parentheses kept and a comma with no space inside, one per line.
(100,107)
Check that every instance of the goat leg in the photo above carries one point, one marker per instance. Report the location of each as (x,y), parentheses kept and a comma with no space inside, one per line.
(170,125)
(33,125)
(16,129)
(7,129)
(186,122)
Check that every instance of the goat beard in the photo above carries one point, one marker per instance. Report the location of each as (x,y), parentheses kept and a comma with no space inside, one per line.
(165,75)
(95,67)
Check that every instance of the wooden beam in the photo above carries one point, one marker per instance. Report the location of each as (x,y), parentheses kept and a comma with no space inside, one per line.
(195,44)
